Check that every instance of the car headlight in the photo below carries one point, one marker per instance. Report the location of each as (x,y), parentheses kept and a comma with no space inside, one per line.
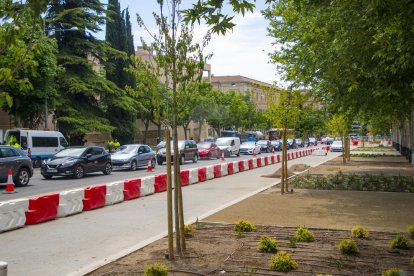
(68,164)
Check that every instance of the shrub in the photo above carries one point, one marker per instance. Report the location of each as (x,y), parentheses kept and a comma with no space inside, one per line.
(410,230)
(156,270)
(282,261)
(392,272)
(324,275)
(242,226)
(188,230)
(303,234)
(267,244)
(348,246)
(412,260)
(399,242)
(359,232)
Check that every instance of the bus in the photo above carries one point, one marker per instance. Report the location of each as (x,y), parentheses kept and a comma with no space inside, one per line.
(275,134)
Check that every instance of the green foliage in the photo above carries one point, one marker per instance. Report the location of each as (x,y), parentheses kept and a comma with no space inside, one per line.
(282,261)
(410,230)
(392,272)
(156,270)
(267,244)
(242,226)
(356,182)
(292,241)
(303,234)
(324,274)
(399,242)
(412,260)
(359,232)
(189,230)
(371,155)
(375,149)
(348,246)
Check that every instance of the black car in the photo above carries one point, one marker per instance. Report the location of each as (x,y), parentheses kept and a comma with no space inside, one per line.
(187,151)
(265,145)
(19,162)
(76,162)
(277,145)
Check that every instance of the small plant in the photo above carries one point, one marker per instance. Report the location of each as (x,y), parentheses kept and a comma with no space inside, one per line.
(282,261)
(303,234)
(412,260)
(243,226)
(292,241)
(410,230)
(348,246)
(324,275)
(399,242)
(156,270)
(392,272)
(267,244)
(188,230)
(359,232)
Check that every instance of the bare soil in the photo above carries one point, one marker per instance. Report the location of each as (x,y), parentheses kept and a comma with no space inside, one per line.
(216,250)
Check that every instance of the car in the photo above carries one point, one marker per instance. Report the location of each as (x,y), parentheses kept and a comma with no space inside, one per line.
(133,156)
(277,145)
(19,162)
(76,162)
(291,143)
(336,146)
(265,145)
(299,142)
(209,139)
(250,147)
(187,151)
(312,141)
(208,150)
(229,145)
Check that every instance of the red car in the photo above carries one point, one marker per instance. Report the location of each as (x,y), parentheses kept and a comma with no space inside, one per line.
(208,150)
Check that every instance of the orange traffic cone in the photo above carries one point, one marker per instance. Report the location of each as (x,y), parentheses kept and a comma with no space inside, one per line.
(222,155)
(149,168)
(10,184)
(254,152)
(273,150)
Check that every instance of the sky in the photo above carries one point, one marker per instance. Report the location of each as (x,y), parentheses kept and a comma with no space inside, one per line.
(243,51)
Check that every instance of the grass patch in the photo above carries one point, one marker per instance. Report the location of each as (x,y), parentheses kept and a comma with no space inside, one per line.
(348,182)
(156,270)
(348,246)
(243,226)
(392,272)
(282,261)
(303,234)
(359,232)
(399,242)
(373,155)
(374,149)
(267,244)
(410,230)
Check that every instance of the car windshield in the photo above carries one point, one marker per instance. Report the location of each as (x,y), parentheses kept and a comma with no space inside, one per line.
(126,149)
(274,142)
(262,142)
(290,140)
(203,145)
(74,152)
(337,143)
(249,144)
(220,142)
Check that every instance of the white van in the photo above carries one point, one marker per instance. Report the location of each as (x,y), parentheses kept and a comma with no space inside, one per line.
(38,144)
(229,145)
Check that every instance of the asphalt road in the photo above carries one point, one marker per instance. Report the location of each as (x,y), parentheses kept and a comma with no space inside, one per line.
(38,185)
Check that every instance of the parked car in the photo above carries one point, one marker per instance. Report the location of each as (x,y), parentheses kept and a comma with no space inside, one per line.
(312,141)
(19,162)
(229,145)
(265,145)
(291,143)
(277,145)
(209,139)
(76,162)
(336,146)
(327,140)
(187,151)
(208,150)
(133,156)
(299,142)
(250,147)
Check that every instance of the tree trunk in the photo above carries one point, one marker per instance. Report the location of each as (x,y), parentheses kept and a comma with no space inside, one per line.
(146,123)
(343,150)
(169,197)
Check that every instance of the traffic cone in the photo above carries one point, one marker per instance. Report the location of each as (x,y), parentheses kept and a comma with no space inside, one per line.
(149,168)
(254,152)
(10,184)
(273,151)
(222,155)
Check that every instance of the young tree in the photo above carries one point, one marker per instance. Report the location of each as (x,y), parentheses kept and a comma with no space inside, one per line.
(340,126)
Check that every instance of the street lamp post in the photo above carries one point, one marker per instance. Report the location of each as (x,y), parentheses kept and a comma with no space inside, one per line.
(46,32)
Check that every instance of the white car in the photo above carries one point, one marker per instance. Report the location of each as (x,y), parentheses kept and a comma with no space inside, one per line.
(336,146)
(250,147)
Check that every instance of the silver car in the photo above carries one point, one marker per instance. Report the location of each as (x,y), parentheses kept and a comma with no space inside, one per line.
(19,162)
(133,156)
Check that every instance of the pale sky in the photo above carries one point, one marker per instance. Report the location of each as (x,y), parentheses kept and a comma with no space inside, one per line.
(244,51)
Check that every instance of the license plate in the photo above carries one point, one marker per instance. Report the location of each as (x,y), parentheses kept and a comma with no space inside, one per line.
(52,170)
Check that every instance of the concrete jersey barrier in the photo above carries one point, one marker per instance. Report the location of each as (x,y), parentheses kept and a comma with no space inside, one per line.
(12,214)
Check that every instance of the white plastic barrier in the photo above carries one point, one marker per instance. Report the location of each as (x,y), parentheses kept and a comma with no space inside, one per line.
(235,166)
(210,172)
(147,185)
(246,165)
(114,192)
(12,214)
(254,163)
(193,176)
(70,202)
(224,169)
(319,152)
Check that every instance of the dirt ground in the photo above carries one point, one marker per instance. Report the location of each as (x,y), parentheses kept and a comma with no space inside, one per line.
(215,249)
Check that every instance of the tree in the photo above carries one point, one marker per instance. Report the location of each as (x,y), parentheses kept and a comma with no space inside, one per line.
(340,126)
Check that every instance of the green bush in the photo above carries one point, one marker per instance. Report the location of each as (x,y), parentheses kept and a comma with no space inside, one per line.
(399,242)
(392,272)
(156,270)
(267,244)
(242,226)
(324,275)
(359,232)
(410,230)
(282,261)
(348,246)
(189,230)
(412,260)
(303,234)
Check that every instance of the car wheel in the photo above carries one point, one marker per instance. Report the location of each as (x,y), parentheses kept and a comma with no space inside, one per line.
(22,177)
(79,172)
(133,165)
(195,159)
(47,176)
(238,154)
(153,163)
(37,163)
(108,169)
(182,159)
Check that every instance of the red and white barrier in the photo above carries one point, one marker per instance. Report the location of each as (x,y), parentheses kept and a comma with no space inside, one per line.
(12,214)
(185,178)
(242,166)
(235,167)
(42,208)
(70,202)
(202,174)
(160,183)
(193,176)
(94,197)
(224,170)
(114,192)
(131,188)
(147,185)
(254,163)
(217,171)
(230,169)
(210,172)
